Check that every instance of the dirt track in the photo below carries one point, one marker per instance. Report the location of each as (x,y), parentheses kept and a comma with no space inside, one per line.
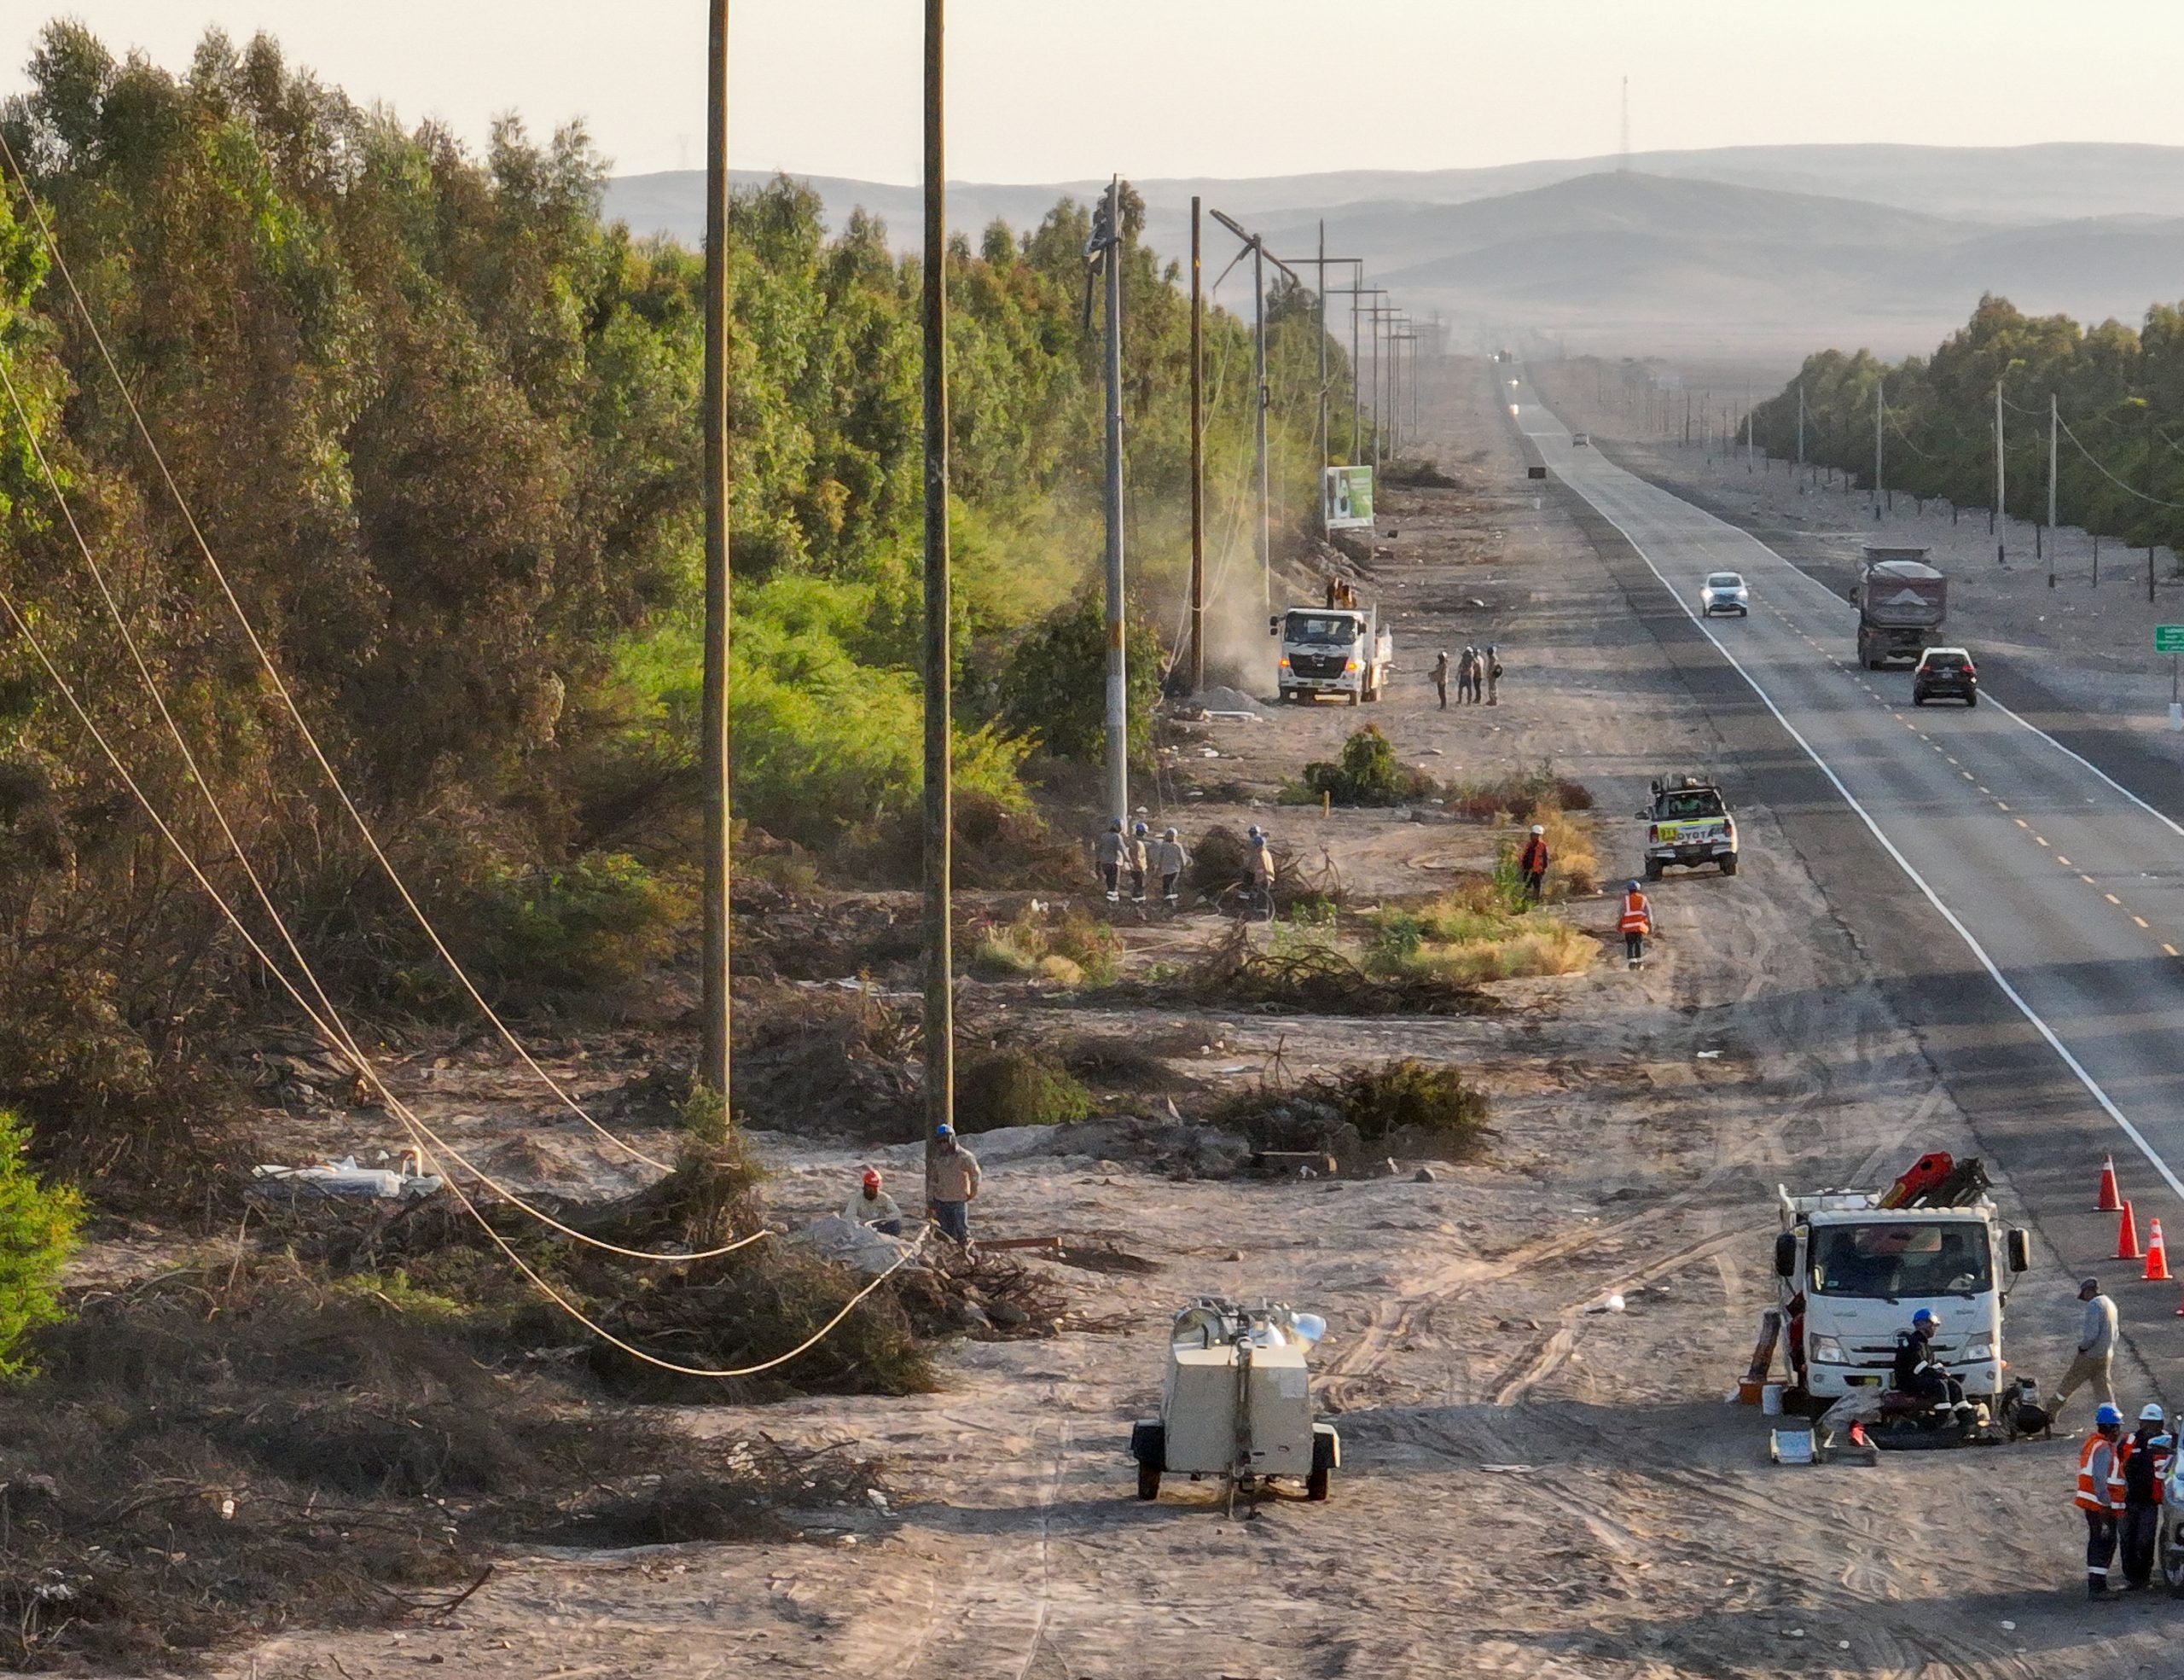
(1529,1488)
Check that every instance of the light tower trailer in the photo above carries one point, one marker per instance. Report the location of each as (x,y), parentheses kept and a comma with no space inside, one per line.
(1235,1402)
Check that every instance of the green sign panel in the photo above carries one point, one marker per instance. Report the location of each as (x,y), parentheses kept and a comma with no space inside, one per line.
(2168,638)
(1346,497)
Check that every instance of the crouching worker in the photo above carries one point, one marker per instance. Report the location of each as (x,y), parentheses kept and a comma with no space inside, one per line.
(1920,1370)
(872,1206)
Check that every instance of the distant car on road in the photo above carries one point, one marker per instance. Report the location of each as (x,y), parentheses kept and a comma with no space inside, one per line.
(1945,673)
(1724,592)
(1580,439)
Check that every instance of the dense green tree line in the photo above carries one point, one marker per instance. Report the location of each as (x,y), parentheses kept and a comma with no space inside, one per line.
(2118,390)
(438,421)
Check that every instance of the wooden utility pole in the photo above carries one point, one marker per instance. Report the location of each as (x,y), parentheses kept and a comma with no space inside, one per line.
(1876,420)
(2053,418)
(712,706)
(1994,513)
(1198,458)
(939,1026)
(1117,686)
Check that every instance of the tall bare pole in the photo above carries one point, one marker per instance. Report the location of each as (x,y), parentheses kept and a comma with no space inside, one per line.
(939,1029)
(2053,418)
(1877,420)
(712,723)
(1801,427)
(1117,687)
(1258,371)
(1356,289)
(1320,271)
(1996,513)
(1198,459)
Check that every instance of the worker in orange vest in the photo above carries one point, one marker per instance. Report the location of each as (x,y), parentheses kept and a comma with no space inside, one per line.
(2101,1497)
(1532,864)
(1637,921)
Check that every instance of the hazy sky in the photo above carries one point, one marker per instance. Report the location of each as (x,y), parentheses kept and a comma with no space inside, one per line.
(1056,90)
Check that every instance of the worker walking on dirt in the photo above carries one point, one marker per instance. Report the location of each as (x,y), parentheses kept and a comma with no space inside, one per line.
(2145,1459)
(1532,861)
(1258,871)
(1441,677)
(1111,852)
(1635,923)
(2094,1365)
(1169,860)
(1491,662)
(2099,1496)
(872,1206)
(1139,838)
(951,1185)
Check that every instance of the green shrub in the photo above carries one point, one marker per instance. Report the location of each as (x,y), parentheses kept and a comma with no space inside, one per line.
(600,921)
(1077,949)
(38,1225)
(1015,1086)
(1053,686)
(1408,1096)
(1368,774)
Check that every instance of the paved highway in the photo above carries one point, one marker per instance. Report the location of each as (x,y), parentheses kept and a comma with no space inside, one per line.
(2065,890)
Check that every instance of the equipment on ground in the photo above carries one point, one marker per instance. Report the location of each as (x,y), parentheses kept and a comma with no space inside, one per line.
(1902,603)
(1333,650)
(344,1180)
(1235,1402)
(1688,825)
(1851,1270)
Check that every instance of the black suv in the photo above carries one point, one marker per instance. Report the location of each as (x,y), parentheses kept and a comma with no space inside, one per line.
(1945,673)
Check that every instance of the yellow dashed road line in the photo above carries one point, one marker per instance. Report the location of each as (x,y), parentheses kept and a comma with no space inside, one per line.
(2142,921)
(2113,899)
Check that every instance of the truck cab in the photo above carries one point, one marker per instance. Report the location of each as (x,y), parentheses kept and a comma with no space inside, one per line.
(1849,1273)
(1688,825)
(1333,650)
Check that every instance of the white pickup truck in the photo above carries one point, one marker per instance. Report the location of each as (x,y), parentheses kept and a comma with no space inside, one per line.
(1849,1273)
(1333,650)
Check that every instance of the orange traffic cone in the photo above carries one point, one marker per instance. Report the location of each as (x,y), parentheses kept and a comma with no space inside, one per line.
(2110,1202)
(2127,1236)
(2157,1256)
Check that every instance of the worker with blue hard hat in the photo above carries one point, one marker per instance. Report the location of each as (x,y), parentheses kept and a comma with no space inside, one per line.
(1920,1370)
(951,1184)
(2101,1497)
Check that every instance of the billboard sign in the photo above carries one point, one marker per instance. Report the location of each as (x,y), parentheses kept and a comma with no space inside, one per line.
(1346,497)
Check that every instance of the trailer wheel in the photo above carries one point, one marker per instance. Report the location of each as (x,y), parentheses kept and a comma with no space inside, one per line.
(1315,1484)
(1148,1481)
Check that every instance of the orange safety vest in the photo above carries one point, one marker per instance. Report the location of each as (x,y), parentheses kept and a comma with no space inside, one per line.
(1534,862)
(2105,1495)
(1637,915)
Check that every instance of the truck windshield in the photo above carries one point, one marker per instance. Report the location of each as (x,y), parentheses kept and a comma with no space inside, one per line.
(1323,627)
(1684,807)
(1898,1258)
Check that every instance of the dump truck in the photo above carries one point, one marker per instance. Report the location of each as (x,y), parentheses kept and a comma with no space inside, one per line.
(1688,825)
(1902,603)
(1333,650)
(1852,1266)
(1235,1402)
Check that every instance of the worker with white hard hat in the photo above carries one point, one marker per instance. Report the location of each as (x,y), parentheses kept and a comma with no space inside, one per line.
(2143,1463)
(1169,860)
(1532,862)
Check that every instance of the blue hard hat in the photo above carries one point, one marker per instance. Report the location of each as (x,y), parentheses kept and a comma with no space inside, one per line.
(1925,1316)
(944,1130)
(2105,1416)
(1633,887)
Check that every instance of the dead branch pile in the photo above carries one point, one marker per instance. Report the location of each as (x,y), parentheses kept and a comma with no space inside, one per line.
(1310,979)
(990,1297)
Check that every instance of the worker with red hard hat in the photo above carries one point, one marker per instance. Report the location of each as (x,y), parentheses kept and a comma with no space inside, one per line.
(872,1206)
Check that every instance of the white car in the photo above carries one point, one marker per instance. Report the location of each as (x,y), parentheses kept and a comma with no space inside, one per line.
(1581,439)
(1725,592)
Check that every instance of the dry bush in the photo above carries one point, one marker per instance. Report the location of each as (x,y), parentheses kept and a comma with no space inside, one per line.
(1068,946)
(1520,796)
(228,1452)
(1405,1101)
(1017,1085)
(1468,935)
(829,1062)
(1312,977)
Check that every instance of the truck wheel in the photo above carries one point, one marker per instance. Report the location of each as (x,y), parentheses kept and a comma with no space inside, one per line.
(1148,1481)
(1653,866)
(1729,864)
(1315,1484)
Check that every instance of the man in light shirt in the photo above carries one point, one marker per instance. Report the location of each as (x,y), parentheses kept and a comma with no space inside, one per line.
(2094,1365)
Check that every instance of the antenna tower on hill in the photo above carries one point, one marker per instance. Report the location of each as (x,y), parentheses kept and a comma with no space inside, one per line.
(1624,165)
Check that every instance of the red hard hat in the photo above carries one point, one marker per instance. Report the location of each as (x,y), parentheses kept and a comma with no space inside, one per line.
(872,1178)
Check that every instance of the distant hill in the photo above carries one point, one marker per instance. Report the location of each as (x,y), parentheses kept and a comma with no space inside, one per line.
(1758,247)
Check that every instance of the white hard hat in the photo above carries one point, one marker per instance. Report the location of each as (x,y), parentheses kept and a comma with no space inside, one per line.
(1539,828)
(2151,1413)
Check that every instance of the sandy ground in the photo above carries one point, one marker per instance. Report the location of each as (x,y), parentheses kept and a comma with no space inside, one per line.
(1530,1487)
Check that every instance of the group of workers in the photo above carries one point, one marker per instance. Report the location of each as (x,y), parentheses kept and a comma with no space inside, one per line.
(1478,675)
(952,1185)
(1130,857)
